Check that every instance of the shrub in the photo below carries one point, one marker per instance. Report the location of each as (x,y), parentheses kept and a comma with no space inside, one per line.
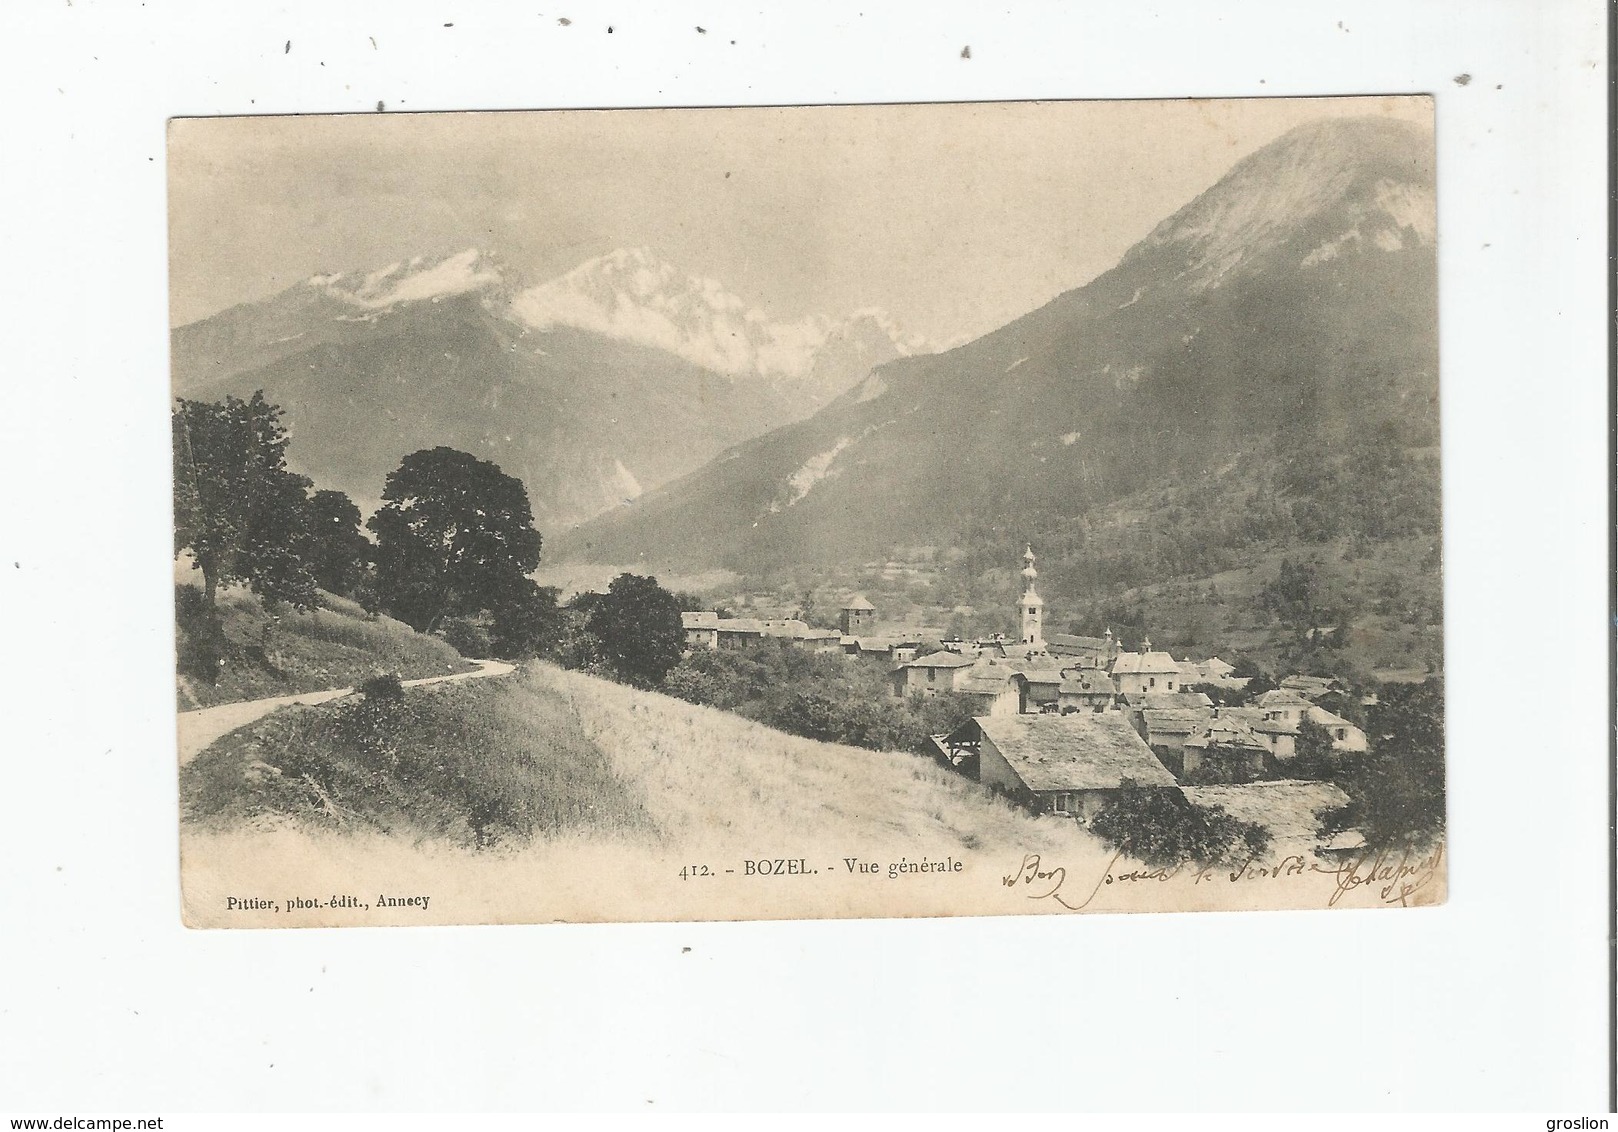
(200,639)
(1219,766)
(1397,793)
(468,636)
(383,687)
(481,764)
(1161,828)
(816,695)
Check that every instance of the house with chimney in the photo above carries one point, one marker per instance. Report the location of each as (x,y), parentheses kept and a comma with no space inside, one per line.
(993,688)
(1167,729)
(1084,689)
(929,675)
(1280,712)
(1039,687)
(1225,742)
(1145,671)
(701,630)
(1082,652)
(705,629)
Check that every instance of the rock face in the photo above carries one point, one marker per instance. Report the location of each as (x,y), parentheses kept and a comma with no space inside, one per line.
(1298,293)
(614,379)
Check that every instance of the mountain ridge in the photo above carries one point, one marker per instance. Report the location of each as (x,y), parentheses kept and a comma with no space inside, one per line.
(370,365)
(1230,322)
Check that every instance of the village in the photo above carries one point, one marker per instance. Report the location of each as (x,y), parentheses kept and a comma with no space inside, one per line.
(1063,723)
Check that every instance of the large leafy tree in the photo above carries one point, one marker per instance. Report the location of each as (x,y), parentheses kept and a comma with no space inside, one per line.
(636,625)
(1397,794)
(454,535)
(337,551)
(525,618)
(237,508)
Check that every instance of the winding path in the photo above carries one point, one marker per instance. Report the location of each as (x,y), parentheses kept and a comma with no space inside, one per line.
(198,729)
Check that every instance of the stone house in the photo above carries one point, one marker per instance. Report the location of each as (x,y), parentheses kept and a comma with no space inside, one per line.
(1145,671)
(1057,764)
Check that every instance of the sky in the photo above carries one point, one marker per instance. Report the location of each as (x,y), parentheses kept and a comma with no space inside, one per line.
(954,219)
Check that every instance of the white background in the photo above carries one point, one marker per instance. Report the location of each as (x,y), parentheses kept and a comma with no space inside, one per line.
(1498,1000)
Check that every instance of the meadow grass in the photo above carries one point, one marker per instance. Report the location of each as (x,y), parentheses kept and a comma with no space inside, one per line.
(336,646)
(476,764)
(718,780)
(630,789)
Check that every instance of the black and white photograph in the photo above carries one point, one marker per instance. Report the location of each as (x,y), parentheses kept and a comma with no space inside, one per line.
(683,559)
(892,510)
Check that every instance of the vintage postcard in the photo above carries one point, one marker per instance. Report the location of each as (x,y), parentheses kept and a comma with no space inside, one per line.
(901,510)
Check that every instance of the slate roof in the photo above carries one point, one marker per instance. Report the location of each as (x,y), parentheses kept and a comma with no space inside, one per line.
(984,681)
(739,625)
(1072,641)
(859,603)
(1074,752)
(1145,663)
(1290,810)
(1310,686)
(875,644)
(940,660)
(700,620)
(1282,697)
(1253,719)
(1086,682)
(1052,676)
(1173,721)
(1224,731)
(1162,700)
(1330,719)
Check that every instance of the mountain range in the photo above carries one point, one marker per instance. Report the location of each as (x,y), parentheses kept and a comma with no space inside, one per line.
(613,379)
(1290,306)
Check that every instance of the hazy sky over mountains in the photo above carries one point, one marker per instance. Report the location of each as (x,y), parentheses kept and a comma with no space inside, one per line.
(954,219)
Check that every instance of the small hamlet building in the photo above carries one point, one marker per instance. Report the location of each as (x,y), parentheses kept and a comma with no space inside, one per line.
(1062,723)
(1056,764)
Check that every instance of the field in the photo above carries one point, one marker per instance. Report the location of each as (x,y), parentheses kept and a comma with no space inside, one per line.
(265,654)
(593,796)
(549,752)
(473,764)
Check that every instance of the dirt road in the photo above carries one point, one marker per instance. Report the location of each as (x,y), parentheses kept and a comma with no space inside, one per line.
(200,728)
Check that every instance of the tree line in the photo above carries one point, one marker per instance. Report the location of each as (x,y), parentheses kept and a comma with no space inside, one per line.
(449,552)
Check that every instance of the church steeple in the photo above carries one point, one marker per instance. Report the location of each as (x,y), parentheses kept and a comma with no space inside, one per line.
(1031,608)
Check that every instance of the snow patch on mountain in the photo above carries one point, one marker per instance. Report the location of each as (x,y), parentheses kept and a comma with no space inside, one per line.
(1409,206)
(870,389)
(632,294)
(812,471)
(1331,249)
(624,485)
(1307,172)
(413,280)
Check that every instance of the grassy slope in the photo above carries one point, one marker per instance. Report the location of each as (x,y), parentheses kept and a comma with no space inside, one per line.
(550,752)
(1133,558)
(625,788)
(1393,626)
(717,780)
(478,763)
(332,647)
(561,752)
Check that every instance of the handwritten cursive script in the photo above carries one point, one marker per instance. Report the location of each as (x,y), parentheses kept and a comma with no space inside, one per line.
(1395,877)
(1396,881)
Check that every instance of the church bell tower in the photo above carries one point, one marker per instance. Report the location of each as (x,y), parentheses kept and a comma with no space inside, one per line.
(1031,608)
